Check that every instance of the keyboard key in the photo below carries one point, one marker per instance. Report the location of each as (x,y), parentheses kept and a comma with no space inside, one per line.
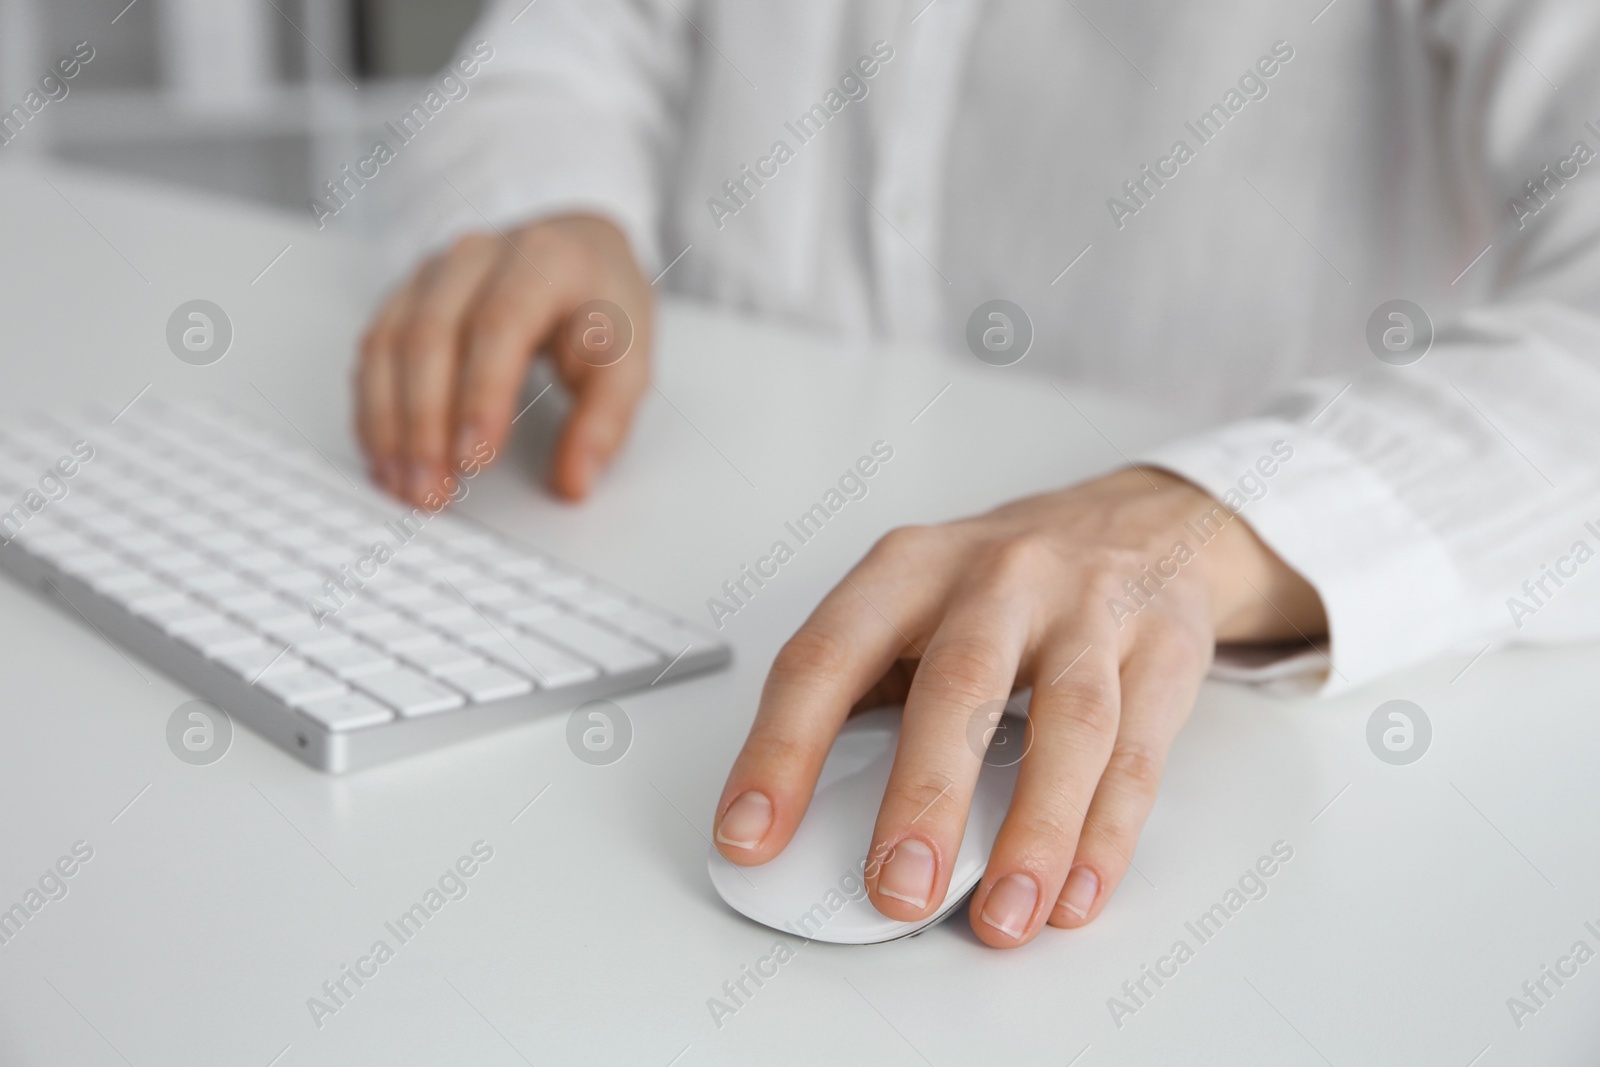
(527,609)
(262,519)
(156,505)
(611,651)
(366,621)
(466,544)
(193,526)
(420,556)
(410,693)
(450,615)
(255,606)
(248,661)
(63,546)
(301,583)
(441,657)
(489,593)
(230,503)
(401,636)
(343,518)
(350,711)
(331,556)
(347,660)
(293,628)
(362,606)
(229,543)
(202,619)
(327,638)
(659,632)
(214,585)
(164,607)
(87,564)
(214,640)
(299,538)
(181,561)
(468,627)
(127,585)
(109,525)
(486,683)
(562,586)
(145,544)
(529,656)
(406,594)
(263,561)
(599,602)
(515,564)
(298,684)
(436,603)
(456,574)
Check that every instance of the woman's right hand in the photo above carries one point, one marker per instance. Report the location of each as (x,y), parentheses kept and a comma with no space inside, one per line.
(443,361)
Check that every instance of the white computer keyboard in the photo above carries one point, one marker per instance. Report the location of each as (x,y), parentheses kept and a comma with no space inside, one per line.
(244,565)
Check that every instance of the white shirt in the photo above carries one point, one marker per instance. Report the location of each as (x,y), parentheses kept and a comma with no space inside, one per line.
(1029,150)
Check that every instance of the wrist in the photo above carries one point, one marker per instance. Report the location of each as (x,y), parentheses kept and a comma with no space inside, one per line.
(1255,595)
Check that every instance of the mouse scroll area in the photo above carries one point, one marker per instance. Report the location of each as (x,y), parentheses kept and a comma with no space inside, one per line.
(816,888)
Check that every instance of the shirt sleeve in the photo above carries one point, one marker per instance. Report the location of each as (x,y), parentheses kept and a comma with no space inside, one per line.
(575,110)
(1453,503)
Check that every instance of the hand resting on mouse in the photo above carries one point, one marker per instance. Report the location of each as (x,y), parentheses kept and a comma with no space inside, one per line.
(951,618)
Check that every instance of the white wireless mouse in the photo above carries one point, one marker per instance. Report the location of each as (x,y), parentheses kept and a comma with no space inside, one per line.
(814,889)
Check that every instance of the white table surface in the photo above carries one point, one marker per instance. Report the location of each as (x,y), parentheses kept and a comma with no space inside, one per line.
(222,897)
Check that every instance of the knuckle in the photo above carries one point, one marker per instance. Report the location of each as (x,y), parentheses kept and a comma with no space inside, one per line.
(374,345)
(813,651)
(769,748)
(1109,839)
(1183,645)
(924,795)
(422,407)
(467,246)
(969,666)
(1046,830)
(496,316)
(902,541)
(1022,561)
(1086,707)
(556,244)
(1135,767)
(426,415)
(1107,575)
(424,337)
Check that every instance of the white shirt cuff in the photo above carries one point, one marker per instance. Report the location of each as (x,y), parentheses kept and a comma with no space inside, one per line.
(1392,595)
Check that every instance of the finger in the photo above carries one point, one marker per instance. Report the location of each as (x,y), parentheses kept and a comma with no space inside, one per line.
(601,414)
(854,635)
(1160,678)
(377,412)
(1072,723)
(430,345)
(971,660)
(512,319)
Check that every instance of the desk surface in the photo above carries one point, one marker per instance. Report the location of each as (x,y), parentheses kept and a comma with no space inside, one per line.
(219,899)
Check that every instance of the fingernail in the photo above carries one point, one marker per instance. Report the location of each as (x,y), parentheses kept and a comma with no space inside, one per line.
(908,873)
(746,821)
(1010,905)
(467,441)
(1078,895)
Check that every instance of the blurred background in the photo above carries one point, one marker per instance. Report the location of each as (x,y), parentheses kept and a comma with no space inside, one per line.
(258,98)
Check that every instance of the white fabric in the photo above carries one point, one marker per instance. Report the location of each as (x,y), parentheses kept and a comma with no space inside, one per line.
(1386,155)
